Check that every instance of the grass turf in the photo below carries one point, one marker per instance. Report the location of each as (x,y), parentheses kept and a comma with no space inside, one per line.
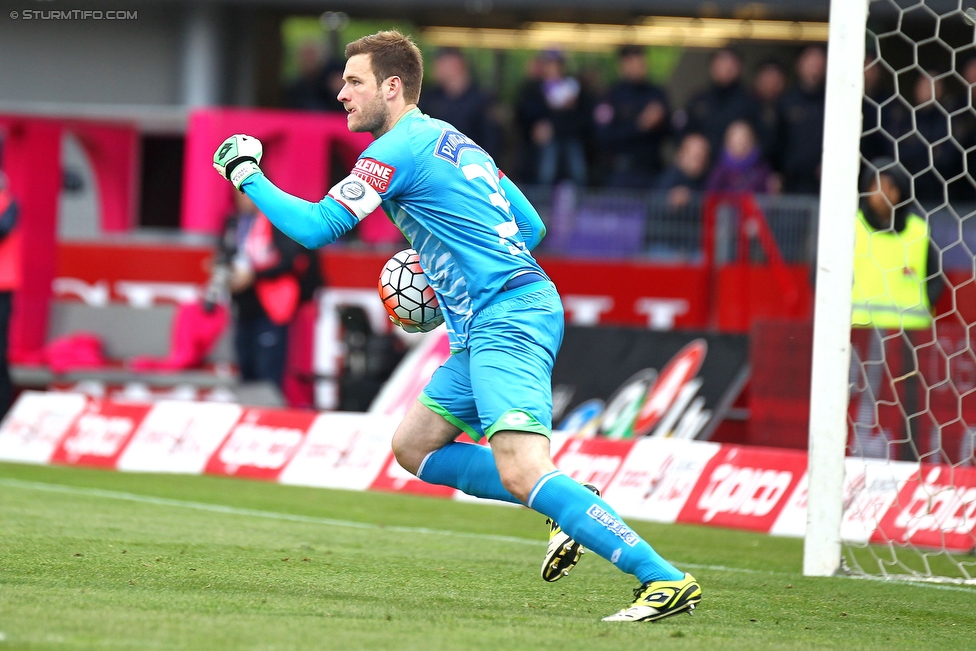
(101,559)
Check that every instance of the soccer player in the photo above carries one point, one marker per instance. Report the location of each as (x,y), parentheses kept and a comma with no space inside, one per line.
(474,230)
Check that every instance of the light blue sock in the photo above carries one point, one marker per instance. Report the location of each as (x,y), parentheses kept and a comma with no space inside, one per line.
(467,467)
(591,522)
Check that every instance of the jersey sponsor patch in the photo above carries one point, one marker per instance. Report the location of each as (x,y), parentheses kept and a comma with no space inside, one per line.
(377,174)
(451,144)
(357,195)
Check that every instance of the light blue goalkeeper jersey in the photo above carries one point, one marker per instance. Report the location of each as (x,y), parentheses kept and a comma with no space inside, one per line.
(445,195)
(472,227)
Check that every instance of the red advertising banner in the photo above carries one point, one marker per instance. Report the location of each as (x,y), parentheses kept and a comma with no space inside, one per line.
(261,444)
(935,507)
(100,434)
(36,423)
(744,488)
(393,478)
(627,293)
(596,461)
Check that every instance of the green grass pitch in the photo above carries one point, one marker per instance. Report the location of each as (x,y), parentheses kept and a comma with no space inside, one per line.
(92,559)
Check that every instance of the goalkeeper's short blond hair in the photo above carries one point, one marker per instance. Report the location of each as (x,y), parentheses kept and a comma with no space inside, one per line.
(392,54)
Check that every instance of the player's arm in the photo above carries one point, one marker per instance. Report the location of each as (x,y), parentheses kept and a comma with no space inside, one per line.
(529,223)
(310,224)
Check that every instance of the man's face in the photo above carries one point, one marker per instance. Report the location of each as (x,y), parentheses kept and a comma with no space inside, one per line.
(448,67)
(725,69)
(692,158)
(362,97)
(633,67)
(811,67)
(883,197)
(770,83)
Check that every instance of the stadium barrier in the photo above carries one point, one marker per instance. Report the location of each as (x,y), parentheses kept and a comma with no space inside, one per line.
(653,479)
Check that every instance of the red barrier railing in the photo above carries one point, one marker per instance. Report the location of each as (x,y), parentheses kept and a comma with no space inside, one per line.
(739,276)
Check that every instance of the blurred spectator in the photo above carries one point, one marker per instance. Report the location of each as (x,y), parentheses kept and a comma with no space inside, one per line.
(316,87)
(332,83)
(964,130)
(914,277)
(896,285)
(874,142)
(922,131)
(10,265)
(689,173)
(530,107)
(457,99)
(554,113)
(712,110)
(802,110)
(767,88)
(968,72)
(265,289)
(741,166)
(632,124)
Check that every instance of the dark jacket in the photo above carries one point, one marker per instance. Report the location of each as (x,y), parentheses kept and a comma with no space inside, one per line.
(469,113)
(623,143)
(930,125)
(674,177)
(802,113)
(711,111)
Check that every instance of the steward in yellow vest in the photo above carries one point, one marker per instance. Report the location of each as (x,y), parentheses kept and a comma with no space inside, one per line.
(896,268)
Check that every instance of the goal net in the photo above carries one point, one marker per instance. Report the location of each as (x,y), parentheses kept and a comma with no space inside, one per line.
(908,490)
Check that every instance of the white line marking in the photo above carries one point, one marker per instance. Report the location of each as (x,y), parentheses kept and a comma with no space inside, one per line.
(230,510)
(307,519)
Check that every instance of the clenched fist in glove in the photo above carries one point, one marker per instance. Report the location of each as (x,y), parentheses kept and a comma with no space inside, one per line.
(237,158)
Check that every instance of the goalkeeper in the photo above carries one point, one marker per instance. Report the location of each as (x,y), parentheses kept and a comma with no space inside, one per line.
(474,230)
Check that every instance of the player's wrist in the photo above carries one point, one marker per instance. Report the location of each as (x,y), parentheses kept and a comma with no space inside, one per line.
(241,170)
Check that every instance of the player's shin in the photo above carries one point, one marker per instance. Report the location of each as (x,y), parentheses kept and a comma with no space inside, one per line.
(468,468)
(593,523)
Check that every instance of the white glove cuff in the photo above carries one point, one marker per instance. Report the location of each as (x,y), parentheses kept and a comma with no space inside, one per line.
(242,172)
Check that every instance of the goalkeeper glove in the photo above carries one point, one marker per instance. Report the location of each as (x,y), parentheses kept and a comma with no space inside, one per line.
(406,327)
(237,158)
(426,327)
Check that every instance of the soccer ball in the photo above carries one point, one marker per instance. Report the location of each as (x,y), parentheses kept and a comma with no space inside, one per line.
(406,295)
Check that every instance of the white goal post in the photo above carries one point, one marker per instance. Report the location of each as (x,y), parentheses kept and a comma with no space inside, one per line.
(835,271)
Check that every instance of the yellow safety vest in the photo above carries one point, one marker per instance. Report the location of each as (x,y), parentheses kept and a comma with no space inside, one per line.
(889,276)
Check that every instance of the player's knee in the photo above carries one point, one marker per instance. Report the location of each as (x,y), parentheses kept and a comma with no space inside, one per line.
(515,481)
(515,485)
(406,453)
(521,460)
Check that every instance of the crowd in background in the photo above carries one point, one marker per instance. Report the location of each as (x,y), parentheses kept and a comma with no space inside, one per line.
(761,136)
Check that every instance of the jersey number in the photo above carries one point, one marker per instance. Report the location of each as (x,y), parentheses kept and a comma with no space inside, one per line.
(506,230)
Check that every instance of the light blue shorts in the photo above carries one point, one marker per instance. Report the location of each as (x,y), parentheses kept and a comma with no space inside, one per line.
(503,379)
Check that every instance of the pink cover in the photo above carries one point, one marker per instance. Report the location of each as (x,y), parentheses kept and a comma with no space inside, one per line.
(74,351)
(194,334)
(29,146)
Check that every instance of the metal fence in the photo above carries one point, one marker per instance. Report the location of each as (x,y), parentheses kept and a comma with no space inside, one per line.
(653,226)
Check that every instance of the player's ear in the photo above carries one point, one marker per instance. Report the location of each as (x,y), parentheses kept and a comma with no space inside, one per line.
(392,85)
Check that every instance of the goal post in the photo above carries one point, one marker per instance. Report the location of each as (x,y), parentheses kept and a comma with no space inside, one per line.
(892,449)
(822,549)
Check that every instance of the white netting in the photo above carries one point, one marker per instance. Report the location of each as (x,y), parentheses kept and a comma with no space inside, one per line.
(910,493)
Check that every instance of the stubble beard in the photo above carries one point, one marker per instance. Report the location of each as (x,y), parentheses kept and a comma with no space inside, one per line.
(373,117)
